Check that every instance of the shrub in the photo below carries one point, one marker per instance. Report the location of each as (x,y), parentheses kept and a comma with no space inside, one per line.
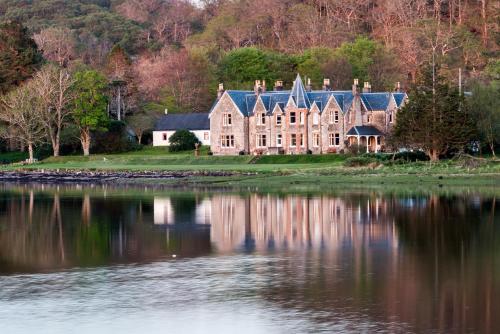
(411,156)
(241,152)
(356,149)
(182,140)
(360,161)
(117,139)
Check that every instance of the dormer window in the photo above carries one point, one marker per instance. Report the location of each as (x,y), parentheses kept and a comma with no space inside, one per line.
(336,116)
(262,119)
(278,119)
(226,119)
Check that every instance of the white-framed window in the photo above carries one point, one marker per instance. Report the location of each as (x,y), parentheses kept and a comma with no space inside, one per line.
(278,119)
(330,117)
(227,119)
(293,140)
(227,141)
(206,136)
(336,116)
(261,140)
(334,139)
(261,119)
(293,116)
(390,117)
(302,142)
(316,139)
(315,118)
(165,137)
(279,140)
(301,117)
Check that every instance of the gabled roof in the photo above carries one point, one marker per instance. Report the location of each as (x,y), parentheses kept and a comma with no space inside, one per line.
(191,121)
(376,101)
(399,98)
(299,94)
(364,130)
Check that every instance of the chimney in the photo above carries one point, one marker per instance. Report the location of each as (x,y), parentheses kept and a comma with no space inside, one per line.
(326,84)
(257,87)
(308,86)
(263,86)
(367,88)
(278,85)
(355,89)
(398,87)
(220,91)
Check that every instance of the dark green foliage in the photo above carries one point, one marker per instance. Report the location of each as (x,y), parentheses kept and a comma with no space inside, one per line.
(116,140)
(360,161)
(436,119)
(19,55)
(182,140)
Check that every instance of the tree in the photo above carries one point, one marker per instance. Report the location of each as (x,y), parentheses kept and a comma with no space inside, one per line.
(182,140)
(141,122)
(484,101)
(436,118)
(57,44)
(19,56)
(20,111)
(53,86)
(89,108)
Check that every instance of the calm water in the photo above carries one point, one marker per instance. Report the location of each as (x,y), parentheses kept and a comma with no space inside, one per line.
(138,260)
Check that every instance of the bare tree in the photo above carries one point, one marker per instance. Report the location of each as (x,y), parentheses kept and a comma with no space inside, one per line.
(57,44)
(53,87)
(20,111)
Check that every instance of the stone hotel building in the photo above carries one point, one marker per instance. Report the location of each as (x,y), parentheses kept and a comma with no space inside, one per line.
(301,120)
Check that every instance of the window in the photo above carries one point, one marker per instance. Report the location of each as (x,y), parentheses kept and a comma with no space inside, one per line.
(368,118)
(261,119)
(302,140)
(206,136)
(279,140)
(227,141)
(226,119)
(292,117)
(315,118)
(293,140)
(330,117)
(261,141)
(165,137)
(390,117)
(301,118)
(278,119)
(336,116)
(316,139)
(334,139)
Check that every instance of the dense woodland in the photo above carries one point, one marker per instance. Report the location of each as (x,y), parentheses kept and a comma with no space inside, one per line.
(157,54)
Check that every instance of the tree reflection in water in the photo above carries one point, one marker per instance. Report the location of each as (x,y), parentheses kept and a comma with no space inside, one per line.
(429,261)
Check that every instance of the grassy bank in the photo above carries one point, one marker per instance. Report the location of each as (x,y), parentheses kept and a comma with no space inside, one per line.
(273,170)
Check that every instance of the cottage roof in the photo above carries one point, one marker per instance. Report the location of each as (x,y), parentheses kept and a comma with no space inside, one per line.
(399,98)
(191,121)
(364,130)
(376,101)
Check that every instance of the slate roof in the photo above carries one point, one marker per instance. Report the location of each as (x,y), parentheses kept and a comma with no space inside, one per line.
(245,100)
(191,121)
(364,130)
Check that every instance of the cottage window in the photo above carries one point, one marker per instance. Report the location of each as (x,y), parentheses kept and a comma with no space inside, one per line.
(227,141)
(278,140)
(293,140)
(336,116)
(315,118)
(205,136)
(334,139)
(262,119)
(227,119)
(292,117)
(316,139)
(165,137)
(261,140)
(278,119)
(390,117)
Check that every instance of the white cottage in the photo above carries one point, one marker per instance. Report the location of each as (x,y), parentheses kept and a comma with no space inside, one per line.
(197,123)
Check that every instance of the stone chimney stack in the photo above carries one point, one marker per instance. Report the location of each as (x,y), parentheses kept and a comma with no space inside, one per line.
(308,86)
(257,88)
(220,91)
(326,84)
(263,86)
(355,88)
(278,85)
(367,88)
(397,87)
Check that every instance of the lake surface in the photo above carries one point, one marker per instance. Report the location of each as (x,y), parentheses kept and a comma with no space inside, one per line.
(101,259)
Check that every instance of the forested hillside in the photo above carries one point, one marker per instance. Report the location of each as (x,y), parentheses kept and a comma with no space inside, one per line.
(172,53)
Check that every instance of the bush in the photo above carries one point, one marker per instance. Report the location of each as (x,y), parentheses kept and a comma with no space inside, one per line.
(116,140)
(411,156)
(360,161)
(356,149)
(182,140)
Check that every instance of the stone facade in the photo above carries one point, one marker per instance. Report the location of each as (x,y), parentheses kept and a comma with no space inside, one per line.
(301,121)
